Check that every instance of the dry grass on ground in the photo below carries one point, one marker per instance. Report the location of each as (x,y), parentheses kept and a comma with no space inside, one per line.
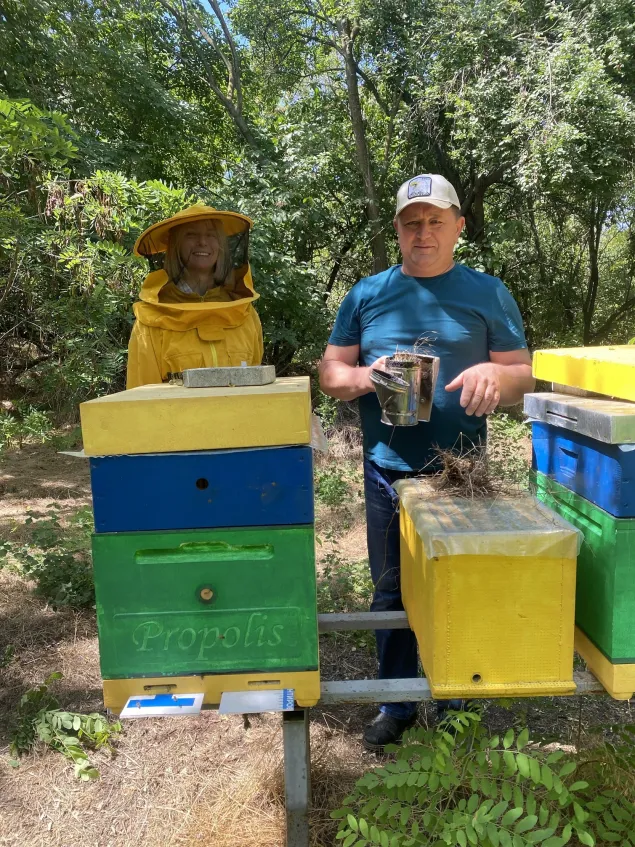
(204,781)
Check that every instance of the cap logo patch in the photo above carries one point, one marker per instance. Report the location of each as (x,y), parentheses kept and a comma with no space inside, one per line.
(420,186)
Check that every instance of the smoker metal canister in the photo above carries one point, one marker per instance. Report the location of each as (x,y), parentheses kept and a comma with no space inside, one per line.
(410,371)
(428,368)
(393,394)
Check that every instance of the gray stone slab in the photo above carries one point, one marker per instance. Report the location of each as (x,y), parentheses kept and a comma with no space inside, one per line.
(223,377)
(610,421)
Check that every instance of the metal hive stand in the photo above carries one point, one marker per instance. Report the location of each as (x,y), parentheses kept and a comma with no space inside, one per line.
(295,725)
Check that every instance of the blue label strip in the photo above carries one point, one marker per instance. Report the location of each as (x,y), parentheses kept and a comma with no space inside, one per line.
(288,703)
(161,700)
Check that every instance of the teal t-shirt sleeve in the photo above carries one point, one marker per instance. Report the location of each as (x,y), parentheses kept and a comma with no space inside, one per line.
(505,327)
(347,329)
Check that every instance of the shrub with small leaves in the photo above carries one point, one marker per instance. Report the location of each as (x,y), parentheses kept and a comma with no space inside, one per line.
(331,488)
(506,453)
(454,785)
(56,557)
(39,718)
(27,424)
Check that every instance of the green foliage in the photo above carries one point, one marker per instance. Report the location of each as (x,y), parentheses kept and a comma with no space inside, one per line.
(71,283)
(39,718)
(8,656)
(331,486)
(508,449)
(25,424)
(32,139)
(57,557)
(345,586)
(528,109)
(610,758)
(455,785)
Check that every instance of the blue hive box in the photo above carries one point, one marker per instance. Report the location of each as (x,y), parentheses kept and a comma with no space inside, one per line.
(203,490)
(600,472)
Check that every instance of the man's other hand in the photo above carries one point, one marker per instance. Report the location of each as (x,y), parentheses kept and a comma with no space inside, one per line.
(501,381)
(481,388)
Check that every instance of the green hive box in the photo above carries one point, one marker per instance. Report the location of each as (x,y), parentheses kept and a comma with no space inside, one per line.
(605,588)
(206,601)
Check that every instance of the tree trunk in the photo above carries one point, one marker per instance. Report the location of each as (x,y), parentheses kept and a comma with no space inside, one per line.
(378,242)
(588,307)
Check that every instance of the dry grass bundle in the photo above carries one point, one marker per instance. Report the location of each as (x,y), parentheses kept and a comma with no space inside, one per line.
(467,474)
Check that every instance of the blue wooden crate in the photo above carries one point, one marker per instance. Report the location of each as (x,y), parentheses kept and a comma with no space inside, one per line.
(599,472)
(201,490)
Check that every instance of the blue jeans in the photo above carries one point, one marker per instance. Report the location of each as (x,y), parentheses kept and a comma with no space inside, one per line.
(396,648)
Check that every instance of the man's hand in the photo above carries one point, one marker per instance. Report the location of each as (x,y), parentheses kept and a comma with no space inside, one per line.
(340,375)
(481,388)
(500,382)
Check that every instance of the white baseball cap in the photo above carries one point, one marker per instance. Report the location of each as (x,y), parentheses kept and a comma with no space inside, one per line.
(427,188)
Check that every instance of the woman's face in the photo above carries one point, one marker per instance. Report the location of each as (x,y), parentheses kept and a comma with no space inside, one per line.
(198,246)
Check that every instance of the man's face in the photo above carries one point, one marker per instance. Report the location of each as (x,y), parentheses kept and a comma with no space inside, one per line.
(427,236)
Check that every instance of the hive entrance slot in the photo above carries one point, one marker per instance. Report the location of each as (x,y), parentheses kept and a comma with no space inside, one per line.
(477,678)
(202,483)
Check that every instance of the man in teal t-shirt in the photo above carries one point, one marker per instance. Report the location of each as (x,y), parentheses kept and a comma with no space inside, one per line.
(476,330)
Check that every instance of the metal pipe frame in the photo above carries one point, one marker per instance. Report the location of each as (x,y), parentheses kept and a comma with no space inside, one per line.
(295,725)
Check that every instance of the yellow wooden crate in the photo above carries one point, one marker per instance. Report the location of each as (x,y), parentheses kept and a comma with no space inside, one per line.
(306,685)
(489,589)
(173,419)
(602,370)
(618,680)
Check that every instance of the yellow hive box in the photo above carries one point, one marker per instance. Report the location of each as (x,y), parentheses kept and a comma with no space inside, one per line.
(305,684)
(173,419)
(602,370)
(618,680)
(489,589)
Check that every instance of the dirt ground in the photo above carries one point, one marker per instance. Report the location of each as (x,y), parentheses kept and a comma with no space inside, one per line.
(187,781)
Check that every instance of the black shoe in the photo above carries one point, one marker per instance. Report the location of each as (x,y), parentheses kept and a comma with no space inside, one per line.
(385,729)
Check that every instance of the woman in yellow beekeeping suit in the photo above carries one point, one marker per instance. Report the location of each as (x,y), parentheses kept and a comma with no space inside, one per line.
(198,311)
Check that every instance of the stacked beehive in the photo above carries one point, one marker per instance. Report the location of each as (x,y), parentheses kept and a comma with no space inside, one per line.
(584,469)
(489,587)
(204,545)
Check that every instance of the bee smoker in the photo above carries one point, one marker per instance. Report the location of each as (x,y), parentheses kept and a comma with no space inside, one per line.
(406,389)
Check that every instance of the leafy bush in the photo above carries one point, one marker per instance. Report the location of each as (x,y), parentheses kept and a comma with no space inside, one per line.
(331,487)
(454,785)
(57,558)
(346,587)
(506,449)
(28,424)
(39,718)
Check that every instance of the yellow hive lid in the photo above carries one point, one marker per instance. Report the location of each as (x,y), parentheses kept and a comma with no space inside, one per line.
(174,419)
(602,370)
(618,354)
(498,526)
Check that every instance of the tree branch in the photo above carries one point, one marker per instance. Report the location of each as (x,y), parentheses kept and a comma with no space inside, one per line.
(235,55)
(234,110)
(608,324)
